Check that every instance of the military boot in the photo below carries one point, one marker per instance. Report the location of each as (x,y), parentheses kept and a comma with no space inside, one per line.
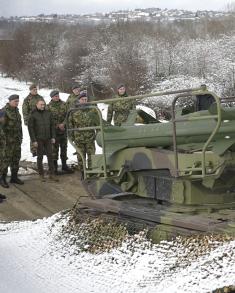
(3,181)
(42,178)
(66,168)
(55,167)
(15,179)
(2,196)
(53,178)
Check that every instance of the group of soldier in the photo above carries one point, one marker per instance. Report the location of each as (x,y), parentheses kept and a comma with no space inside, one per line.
(47,130)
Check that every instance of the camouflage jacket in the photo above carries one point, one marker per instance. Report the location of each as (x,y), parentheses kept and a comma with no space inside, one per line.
(29,105)
(121,110)
(71,101)
(2,149)
(59,112)
(12,126)
(2,140)
(83,118)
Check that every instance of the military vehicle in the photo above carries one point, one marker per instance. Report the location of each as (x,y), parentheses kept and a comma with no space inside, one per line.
(178,177)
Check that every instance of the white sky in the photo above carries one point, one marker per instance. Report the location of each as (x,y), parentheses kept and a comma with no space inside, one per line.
(34,7)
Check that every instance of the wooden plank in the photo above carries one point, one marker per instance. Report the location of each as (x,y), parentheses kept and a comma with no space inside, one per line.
(36,199)
(103,205)
(19,206)
(158,215)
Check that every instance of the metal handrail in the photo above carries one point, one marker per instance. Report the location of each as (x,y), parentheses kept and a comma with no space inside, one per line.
(100,127)
(139,97)
(174,121)
(181,93)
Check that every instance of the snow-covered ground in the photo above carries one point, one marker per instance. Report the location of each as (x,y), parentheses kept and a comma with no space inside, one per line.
(32,259)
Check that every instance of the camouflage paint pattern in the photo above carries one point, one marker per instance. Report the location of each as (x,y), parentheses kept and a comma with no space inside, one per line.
(13,132)
(141,161)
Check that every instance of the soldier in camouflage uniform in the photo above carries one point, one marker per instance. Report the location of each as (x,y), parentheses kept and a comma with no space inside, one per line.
(120,109)
(59,110)
(84,140)
(13,131)
(2,154)
(29,105)
(74,97)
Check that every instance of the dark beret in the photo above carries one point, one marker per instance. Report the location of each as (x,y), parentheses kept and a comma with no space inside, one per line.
(76,86)
(83,94)
(33,86)
(121,85)
(13,97)
(54,93)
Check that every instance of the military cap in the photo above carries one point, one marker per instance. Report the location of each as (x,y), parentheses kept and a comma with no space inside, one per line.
(83,95)
(76,86)
(33,86)
(13,97)
(2,113)
(54,93)
(121,85)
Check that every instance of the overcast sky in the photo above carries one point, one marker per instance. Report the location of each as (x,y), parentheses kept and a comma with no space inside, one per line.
(34,7)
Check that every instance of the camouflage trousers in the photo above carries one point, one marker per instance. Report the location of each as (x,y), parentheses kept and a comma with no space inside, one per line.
(13,155)
(87,149)
(60,144)
(2,155)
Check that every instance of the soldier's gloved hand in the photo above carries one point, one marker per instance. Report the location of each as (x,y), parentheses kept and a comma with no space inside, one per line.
(53,140)
(35,144)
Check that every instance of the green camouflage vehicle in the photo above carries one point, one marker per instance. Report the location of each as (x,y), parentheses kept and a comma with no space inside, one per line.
(176,177)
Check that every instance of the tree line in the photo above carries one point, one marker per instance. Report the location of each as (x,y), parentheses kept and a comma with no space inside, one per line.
(140,54)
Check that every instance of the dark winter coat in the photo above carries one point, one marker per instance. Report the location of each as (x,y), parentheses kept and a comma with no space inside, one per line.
(29,105)
(41,126)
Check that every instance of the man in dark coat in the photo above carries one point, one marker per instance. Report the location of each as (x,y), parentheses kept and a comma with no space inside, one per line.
(12,128)
(42,134)
(28,106)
